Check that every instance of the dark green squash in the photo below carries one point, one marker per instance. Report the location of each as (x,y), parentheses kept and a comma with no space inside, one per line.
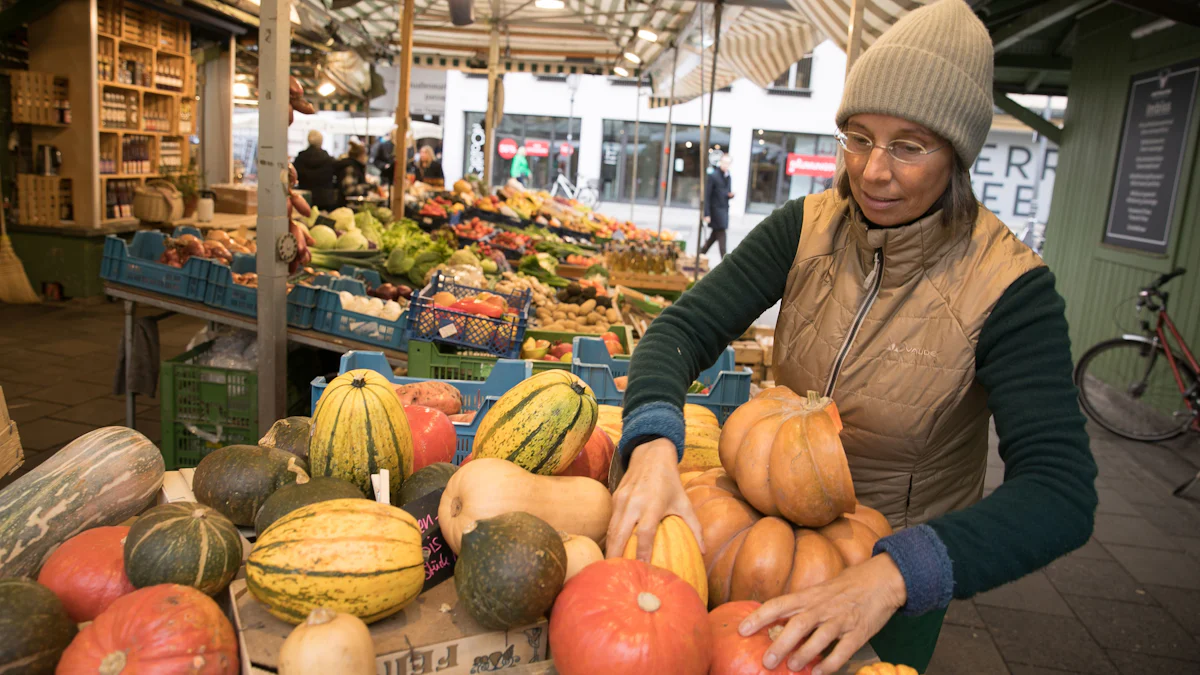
(35,628)
(183,543)
(433,477)
(291,497)
(509,569)
(237,479)
(290,434)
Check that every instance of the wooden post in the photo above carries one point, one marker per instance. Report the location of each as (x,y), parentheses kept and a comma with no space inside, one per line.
(400,142)
(489,126)
(854,37)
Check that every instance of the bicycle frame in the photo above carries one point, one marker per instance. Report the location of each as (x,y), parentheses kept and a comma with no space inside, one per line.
(1162,325)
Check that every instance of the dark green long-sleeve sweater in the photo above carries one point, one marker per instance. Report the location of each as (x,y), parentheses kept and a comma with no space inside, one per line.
(1045,506)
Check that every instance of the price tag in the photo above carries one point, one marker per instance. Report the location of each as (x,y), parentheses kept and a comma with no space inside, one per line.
(448,331)
(381,484)
(439,559)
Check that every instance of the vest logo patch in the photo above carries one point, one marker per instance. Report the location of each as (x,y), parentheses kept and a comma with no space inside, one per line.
(903,349)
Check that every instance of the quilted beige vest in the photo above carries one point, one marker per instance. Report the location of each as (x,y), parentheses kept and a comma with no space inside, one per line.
(886,322)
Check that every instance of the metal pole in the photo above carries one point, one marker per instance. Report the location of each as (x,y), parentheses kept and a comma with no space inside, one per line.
(668,143)
(489,127)
(400,143)
(712,90)
(570,117)
(854,34)
(637,131)
(274,56)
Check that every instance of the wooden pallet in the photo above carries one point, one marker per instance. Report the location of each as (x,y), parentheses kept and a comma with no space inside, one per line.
(654,282)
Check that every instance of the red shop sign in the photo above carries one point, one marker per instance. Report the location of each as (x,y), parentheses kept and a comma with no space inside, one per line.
(817,166)
(537,148)
(565,149)
(506,148)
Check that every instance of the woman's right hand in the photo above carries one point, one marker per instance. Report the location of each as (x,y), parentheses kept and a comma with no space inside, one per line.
(650,491)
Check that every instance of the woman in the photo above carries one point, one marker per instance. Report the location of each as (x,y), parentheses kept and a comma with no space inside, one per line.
(426,168)
(350,172)
(918,312)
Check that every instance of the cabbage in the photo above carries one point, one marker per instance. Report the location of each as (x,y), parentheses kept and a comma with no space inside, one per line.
(343,219)
(312,216)
(463,257)
(384,214)
(351,241)
(323,237)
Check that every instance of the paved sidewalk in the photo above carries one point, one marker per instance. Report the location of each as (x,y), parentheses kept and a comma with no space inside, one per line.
(1127,603)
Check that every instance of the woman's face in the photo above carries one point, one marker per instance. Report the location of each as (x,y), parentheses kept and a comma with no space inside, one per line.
(890,192)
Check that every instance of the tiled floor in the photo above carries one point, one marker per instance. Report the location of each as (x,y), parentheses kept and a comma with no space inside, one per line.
(1127,603)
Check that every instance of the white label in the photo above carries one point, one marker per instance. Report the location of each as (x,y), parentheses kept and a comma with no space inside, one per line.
(380,482)
(447,331)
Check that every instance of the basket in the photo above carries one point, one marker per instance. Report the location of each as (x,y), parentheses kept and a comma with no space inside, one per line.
(157,202)
(477,395)
(442,362)
(500,337)
(204,408)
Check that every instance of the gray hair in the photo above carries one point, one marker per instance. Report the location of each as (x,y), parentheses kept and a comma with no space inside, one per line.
(958,203)
(315,138)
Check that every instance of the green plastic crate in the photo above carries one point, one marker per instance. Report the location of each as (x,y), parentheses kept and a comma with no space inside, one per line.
(441,362)
(219,403)
(551,336)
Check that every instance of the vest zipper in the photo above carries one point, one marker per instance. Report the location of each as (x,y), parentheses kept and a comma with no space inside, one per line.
(858,321)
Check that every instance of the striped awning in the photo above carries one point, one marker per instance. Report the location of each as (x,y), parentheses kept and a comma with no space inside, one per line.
(831,18)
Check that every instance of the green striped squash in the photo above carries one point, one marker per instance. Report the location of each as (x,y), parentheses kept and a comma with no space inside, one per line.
(354,556)
(104,477)
(35,628)
(540,424)
(183,543)
(359,427)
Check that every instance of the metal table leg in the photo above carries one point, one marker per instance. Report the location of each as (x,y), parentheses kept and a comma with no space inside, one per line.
(130,397)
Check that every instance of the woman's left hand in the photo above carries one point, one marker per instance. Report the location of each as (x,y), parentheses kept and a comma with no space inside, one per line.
(848,609)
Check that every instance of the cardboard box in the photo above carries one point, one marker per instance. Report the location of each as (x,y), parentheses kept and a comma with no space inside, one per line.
(431,635)
(241,199)
(12,456)
(747,353)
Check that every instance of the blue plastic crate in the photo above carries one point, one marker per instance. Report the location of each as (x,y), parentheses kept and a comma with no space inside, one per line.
(329,317)
(728,385)
(501,337)
(369,277)
(477,396)
(136,264)
(223,293)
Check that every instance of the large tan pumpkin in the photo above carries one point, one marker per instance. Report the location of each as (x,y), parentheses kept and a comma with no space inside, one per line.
(784,453)
(749,556)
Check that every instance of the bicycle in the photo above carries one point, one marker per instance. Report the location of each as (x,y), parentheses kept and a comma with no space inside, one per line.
(587,195)
(1132,385)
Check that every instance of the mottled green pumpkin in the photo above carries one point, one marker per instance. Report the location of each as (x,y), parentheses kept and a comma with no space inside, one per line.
(35,628)
(237,479)
(431,478)
(291,497)
(290,434)
(183,543)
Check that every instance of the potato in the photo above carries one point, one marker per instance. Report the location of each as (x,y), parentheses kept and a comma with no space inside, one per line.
(573,309)
(587,307)
(432,394)
(544,313)
(612,315)
(560,314)
(570,325)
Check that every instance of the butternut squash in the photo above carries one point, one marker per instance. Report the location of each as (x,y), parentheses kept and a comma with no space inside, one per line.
(487,487)
(328,642)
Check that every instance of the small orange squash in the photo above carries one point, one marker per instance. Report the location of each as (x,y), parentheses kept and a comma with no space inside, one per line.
(675,549)
(784,453)
(581,552)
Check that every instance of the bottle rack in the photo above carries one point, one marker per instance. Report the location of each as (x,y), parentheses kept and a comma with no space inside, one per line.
(118,109)
(118,198)
(106,59)
(170,154)
(186,106)
(110,157)
(156,113)
(169,72)
(137,156)
(135,65)
(40,98)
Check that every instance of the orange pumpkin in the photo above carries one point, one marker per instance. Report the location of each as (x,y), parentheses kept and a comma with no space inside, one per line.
(749,556)
(784,453)
(676,549)
(594,459)
(737,655)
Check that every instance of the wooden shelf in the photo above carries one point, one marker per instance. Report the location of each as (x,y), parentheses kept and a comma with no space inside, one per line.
(138,132)
(132,176)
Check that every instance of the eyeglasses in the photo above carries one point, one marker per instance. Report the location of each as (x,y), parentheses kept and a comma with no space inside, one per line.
(905,152)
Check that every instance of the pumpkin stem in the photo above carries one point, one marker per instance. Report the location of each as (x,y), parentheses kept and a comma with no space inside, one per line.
(814,398)
(320,616)
(648,602)
(200,513)
(113,663)
(774,631)
(359,381)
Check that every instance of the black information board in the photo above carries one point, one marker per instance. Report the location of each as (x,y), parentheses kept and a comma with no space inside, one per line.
(439,559)
(1150,163)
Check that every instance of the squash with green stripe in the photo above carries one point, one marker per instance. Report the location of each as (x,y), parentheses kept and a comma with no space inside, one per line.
(353,556)
(183,543)
(359,428)
(541,424)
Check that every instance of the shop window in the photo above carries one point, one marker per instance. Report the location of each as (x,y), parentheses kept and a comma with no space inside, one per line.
(785,166)
(796,80)
(543,138)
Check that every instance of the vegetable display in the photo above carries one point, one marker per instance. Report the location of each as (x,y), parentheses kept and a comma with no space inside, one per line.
(675,549)
(183,543)
(737,655)
(328,643)
(87,572)
(237,479)
(291,497)
(35,627)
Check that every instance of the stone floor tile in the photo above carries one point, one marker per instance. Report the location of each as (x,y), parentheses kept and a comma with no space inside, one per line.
(966,650)
(1033,593)
(1092,550)
(14,390)
(1164,568)
(1131,663)
(1135,628)
(1136,493)
(68,347)
(1190,544)
(963,613)
(42,375)
(26,410)
(46,433)
(102,377)
(98,412)
(1183,604)
(1174,519)
(71,393)
(1112,502)
(1044,640)
(1130,530)
(1019,669)
(1096,579)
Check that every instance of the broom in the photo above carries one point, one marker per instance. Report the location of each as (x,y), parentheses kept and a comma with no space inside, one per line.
(14,285)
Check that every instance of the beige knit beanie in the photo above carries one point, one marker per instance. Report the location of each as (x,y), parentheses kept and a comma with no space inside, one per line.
(933,67)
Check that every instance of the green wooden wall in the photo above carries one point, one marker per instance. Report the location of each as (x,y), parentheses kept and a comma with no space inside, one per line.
(1098,281)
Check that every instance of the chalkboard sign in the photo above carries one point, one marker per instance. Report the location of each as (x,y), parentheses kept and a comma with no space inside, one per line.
(1150,163)
(439,559)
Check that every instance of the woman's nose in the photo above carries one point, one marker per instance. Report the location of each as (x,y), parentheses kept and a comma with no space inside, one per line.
(879,166)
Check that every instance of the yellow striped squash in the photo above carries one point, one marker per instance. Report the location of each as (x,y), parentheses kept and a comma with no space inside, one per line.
(703,431)
(541,424)
(359,427)
(675,549)
(699,454)
(698,413)
(354,556)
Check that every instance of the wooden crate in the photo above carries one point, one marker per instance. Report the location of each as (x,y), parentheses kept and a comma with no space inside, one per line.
(108,17)
(35,97)
(747,353)
(768,347)
(139,24)
(40,199)
(11,454)
(172,34)
(654,282)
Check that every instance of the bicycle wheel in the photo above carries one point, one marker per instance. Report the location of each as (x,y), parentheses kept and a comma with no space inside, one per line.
(589,197)
(1127,387)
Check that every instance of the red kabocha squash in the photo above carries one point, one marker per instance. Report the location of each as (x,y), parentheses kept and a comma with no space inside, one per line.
(624,617)
(594,460)
(784,453)
(737,655)
(87,572)
(164,629)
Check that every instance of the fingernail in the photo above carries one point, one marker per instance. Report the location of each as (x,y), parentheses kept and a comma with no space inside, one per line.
(817,671)
(744,629)
(770,660)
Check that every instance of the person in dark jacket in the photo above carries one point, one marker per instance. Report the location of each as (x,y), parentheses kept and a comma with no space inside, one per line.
(717,193)
(426,167)
(350,172)
(314,168)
